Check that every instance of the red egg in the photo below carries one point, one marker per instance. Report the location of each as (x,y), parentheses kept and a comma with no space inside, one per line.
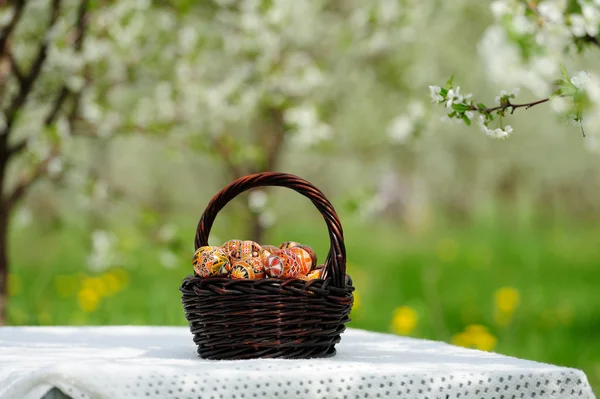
(275,263)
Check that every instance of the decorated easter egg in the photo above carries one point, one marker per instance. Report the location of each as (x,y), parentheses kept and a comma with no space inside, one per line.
(211,261)
(303,258)
(232,246)
(313,275)
(251,268)
(246,250)
(275,263)
(292,266)
(268,250)
(312,253)
(289,244)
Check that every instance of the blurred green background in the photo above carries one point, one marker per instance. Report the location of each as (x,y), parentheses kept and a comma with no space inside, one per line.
(492,245)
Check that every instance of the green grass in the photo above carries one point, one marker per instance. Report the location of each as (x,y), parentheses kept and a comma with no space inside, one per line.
(447,272)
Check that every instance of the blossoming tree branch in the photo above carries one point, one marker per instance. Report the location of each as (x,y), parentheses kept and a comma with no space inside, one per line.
(536,39)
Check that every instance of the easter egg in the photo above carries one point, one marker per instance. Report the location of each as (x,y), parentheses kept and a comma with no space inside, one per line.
(231,245)
(246,250)
(275,263)
(313,275)
(292,266)
(289,244)
(312,253)
(251,268)
(268,250)
(211,261)
(303,258)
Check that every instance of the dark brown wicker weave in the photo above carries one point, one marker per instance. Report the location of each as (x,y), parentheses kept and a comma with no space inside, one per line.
(276,318)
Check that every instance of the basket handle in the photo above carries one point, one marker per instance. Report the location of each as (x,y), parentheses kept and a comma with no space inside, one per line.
(335,264)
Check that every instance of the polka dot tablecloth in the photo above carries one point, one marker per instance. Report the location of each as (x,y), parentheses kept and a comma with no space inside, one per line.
(161,362)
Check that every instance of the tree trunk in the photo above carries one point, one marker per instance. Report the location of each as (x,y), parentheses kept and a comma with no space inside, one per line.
(4,215)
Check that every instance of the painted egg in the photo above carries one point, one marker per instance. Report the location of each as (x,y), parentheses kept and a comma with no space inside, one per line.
(251,268)
(268,250)
(289,244)
(211,261)
(246,250)
(303,258)
(232,246)
(312,253)
(313,275)
(275,263)
(292,266)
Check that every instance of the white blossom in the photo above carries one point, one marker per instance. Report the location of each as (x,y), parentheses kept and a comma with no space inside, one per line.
(104,252)
(55,166)
(581,80)
(400,129)
(434,92)
(6,15)
(497,133)
(257,200)
(500,8)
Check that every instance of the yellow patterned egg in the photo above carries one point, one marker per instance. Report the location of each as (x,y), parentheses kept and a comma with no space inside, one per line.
(210,261)
(251,268)
(313,275)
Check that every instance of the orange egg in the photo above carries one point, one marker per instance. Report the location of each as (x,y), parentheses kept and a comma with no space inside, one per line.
(303,258)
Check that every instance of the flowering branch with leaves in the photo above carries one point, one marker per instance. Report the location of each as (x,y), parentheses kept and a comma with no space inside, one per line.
(577,94)
(543,35)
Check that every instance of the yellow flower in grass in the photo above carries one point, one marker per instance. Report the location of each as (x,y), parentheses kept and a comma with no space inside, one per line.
(404,320)
(112,282)
(95,284)
(507,299)
(475,336)
(88,299)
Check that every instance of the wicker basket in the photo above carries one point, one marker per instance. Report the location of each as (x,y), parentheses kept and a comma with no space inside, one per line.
(270,318)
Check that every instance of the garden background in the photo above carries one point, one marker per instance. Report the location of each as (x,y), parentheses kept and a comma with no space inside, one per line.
(451,235)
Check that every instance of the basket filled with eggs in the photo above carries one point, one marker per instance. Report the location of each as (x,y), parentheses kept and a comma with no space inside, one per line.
(247,300)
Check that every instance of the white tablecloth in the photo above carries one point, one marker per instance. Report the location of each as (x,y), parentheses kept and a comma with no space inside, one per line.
(161,362)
